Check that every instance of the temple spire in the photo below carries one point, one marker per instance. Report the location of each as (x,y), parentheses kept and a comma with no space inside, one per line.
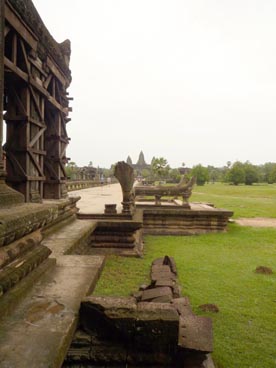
(141,160)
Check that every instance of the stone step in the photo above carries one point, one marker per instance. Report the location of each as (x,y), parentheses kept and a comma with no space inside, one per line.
(39,331)
(71,236)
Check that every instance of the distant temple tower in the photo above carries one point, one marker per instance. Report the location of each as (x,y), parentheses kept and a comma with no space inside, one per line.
(129,160)
(140,165)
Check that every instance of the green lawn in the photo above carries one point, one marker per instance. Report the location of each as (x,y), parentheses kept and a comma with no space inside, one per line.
(244,200)
(219,268)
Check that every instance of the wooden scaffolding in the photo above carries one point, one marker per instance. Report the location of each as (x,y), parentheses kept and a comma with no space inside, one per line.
(36,105)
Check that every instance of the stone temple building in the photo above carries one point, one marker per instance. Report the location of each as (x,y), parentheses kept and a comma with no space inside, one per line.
(140,165)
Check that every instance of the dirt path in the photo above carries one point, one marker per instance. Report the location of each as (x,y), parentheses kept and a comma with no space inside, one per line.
(257,222)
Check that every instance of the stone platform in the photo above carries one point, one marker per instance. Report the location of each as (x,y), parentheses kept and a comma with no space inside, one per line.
(172,219)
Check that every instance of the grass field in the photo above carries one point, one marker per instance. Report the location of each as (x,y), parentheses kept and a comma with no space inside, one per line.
(244,200)
(219,268)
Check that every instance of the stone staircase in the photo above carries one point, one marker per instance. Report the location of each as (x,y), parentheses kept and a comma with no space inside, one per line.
(39,314)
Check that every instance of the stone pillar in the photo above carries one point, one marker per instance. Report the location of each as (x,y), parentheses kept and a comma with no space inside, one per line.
(8,196)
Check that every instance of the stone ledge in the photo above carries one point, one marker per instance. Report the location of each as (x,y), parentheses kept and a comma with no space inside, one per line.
(42,325)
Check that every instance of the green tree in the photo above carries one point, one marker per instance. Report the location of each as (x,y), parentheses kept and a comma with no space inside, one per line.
(146,173)
(268,172)
(175,175)
(71,170)
(160,167)
(272,175)
(201,174)
(236,174)
(251,173)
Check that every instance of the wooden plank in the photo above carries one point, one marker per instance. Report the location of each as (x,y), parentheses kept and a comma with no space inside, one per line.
(63,125)
(56,71)
(21,27)
(54,89)
(40,124)
(36,137)
(63,169)
(62,153)
(20,104)
(9,64)
(36,102)
(13,159)
(33,158)
(37,151)
(7,29)
(25,57)
(39,87)
(57,105)
(51,169)
(14,48)
(48,80)
(36,64)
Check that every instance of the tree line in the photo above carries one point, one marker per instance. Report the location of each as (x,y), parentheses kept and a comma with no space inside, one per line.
(236,173)
(233,173)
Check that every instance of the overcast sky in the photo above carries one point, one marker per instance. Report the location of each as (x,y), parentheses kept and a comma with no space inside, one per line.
(192,81)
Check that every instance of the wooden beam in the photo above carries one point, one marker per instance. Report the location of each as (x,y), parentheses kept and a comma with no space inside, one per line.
(36,102)
(7,29)
(40,124)
(22,28)
(33,158)
(36,151)
(14,48)
(57,105)
(20,104)
(56,71)
(48,80)
(38,66)
(9,64)
(36,137)
(13,159)
(25,57)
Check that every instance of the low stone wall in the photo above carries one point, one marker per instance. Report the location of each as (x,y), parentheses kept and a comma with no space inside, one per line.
(82,184)
(173,220)
(155,328)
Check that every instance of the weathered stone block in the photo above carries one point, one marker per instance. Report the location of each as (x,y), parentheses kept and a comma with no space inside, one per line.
(160,268)
(165,282)
(112,318)
(150,294)
(167,275)
(156,327)
(183,306)
(195,333)
(147,326)
(169,261)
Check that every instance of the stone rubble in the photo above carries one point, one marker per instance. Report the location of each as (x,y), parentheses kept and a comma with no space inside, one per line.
(154,328)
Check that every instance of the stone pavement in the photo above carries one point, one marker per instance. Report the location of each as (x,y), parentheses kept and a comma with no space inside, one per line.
(39,330)
(93,199)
